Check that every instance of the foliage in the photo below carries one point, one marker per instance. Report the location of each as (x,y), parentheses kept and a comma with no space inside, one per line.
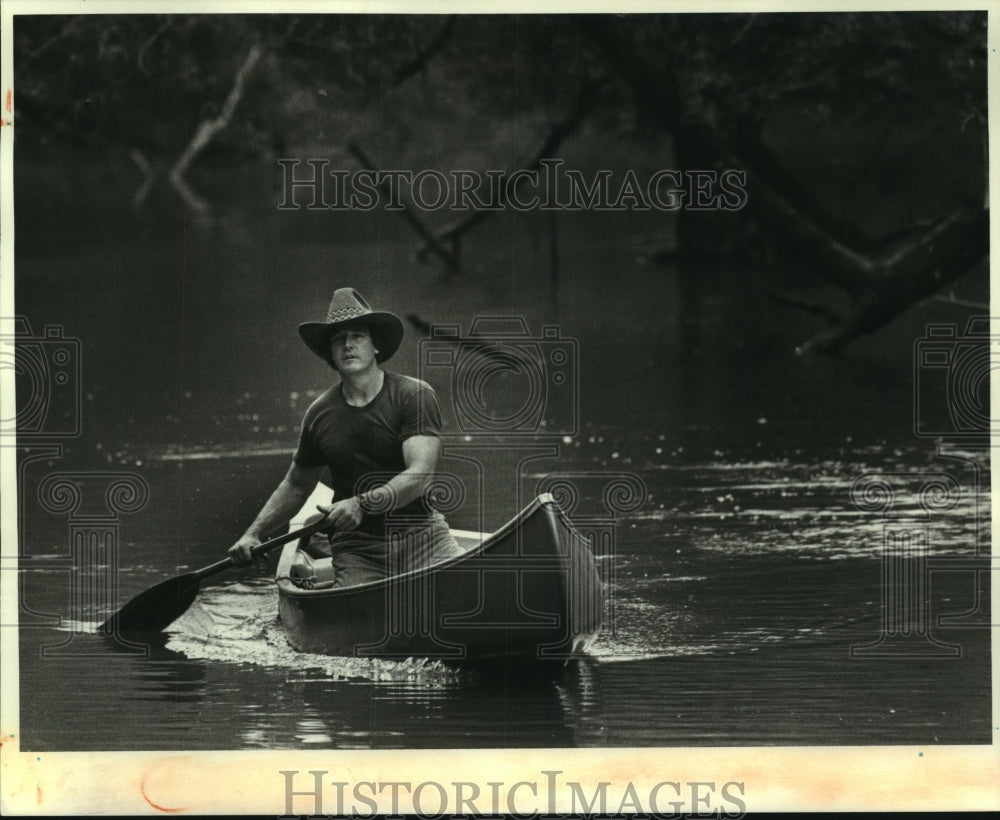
(734,67)
(148,80)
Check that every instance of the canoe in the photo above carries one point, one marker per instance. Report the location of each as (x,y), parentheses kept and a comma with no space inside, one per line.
(528,593)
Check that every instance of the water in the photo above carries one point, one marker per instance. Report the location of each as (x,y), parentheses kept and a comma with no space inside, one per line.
(737,589)
(735,608)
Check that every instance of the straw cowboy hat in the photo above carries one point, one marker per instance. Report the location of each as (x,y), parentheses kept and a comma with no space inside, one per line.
(348,307)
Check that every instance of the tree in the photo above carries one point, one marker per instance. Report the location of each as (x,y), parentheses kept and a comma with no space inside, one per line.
(712,85)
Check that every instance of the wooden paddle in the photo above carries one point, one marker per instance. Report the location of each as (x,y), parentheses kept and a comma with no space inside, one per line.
(161,605)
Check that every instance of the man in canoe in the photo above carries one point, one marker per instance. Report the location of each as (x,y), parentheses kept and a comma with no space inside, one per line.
(378,434)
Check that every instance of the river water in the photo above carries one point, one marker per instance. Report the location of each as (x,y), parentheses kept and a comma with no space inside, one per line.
(746,597)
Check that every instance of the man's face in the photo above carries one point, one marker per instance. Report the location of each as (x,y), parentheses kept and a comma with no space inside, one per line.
(352,349)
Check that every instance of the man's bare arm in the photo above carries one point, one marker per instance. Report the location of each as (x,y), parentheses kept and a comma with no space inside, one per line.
(287,498)
(420,455)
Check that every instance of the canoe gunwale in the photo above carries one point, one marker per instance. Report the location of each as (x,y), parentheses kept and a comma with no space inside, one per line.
(544,502)
(472,624)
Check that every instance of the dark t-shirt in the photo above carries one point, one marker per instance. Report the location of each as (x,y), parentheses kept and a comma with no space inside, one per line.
(363,446)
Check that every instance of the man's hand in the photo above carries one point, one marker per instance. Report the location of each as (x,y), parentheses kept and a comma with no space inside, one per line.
(240,551)
(342,516)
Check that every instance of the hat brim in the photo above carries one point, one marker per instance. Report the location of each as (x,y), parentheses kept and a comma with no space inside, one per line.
(387,334)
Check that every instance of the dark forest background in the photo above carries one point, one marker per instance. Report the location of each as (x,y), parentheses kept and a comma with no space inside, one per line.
(863,135)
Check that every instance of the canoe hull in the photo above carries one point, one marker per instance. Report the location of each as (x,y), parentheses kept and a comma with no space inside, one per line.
(530,591)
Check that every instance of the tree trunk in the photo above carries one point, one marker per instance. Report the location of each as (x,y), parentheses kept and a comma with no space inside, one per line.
(880,286)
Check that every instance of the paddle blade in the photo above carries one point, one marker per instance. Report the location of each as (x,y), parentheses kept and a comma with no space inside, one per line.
(156,608)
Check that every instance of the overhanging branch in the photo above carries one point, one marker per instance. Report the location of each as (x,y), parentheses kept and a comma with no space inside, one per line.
(881,286)
(559,131)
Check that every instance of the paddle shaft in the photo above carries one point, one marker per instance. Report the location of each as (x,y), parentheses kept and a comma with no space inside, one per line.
(260,549)
(159,606)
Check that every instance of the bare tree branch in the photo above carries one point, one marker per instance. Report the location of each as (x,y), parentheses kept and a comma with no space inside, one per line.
(430,241)
(140,59)
(417,64)
(65,31)
(547,148)
(957,246)
(206,132)
(149,175)
(951,299)
(816,308)
(882,286)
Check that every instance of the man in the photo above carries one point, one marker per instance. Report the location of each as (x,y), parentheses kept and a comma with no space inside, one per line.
(377,433)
